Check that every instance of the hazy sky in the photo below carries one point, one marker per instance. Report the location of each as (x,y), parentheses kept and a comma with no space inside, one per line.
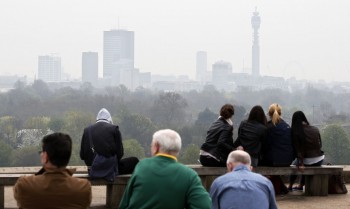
(305,38)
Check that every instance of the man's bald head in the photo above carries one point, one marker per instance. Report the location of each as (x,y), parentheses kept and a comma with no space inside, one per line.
(238,157)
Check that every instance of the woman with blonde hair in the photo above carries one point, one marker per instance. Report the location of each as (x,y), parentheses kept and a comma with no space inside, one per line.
(277,150)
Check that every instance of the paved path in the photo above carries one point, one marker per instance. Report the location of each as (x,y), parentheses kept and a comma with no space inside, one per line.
(290,201)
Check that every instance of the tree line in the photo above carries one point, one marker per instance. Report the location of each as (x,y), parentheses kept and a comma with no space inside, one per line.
(28,112)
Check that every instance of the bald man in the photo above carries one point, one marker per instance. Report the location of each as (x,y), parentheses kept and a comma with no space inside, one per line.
(241,188)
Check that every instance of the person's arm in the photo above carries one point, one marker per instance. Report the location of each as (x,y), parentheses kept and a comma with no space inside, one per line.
(214,196)
(124,203)
(17,191)
(82,145)
(272,199)
(224,139)
(119,144)
(197,197)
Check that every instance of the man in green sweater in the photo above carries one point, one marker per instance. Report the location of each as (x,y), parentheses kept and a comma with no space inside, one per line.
(160,182)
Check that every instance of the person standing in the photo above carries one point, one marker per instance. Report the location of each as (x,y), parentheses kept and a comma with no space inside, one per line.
(53,186)
(161,182)
(241,188)
(106,141)
(219,142)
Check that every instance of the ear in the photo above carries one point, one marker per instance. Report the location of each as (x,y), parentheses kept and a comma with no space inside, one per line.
(154,148)
(229,167)
(44,158)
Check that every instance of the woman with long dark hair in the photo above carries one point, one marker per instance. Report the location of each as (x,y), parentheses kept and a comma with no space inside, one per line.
(251,133)
(307,143)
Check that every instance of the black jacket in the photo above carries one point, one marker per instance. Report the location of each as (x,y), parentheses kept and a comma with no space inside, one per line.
(277,150)
(311,147)
(107,141)
(219,141)
(250,136)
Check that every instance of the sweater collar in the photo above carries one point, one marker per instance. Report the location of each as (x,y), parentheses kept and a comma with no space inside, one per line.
(167,155)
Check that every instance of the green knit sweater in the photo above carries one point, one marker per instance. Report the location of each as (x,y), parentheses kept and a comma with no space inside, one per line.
(162,183)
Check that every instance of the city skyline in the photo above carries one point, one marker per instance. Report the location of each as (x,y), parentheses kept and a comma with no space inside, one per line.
(296,38)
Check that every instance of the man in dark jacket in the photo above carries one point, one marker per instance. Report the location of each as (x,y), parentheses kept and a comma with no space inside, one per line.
(107,141)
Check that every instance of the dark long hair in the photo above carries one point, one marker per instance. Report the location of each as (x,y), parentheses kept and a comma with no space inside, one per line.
(257,114)
(298,134)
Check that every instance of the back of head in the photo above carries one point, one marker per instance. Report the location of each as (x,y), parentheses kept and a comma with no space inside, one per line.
(58,147)
(297,125)
(239,157)
(275,112)
(257,114)
(104,115)
(227,111)
(168,140)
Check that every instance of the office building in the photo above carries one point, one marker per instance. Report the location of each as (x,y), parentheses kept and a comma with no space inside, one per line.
(118,53)
(201,66)
(89,67)
(49,68)
(221,73)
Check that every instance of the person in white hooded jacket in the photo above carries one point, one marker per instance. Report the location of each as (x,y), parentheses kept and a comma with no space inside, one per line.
(107,141)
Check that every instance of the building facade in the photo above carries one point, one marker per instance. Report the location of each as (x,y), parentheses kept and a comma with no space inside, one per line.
(118,53)
(89,67)
(49,68)
(201,66)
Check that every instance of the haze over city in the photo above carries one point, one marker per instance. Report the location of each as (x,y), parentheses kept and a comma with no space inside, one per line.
(305,39)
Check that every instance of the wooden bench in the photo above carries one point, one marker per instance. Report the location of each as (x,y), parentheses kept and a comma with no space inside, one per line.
(316,180)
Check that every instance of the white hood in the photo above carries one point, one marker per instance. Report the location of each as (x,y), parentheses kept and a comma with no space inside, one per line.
(104,116)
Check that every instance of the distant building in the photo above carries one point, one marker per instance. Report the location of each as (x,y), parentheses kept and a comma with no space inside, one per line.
(49,68)
(90,67)
(221,72)
(145,79)
(118,53)
(201,66)
(130,78)
(256,48)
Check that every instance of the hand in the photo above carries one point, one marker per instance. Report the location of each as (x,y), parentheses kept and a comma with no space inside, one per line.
(240,148)
(301,168)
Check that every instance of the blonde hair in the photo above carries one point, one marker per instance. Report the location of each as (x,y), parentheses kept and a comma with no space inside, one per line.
(275,111)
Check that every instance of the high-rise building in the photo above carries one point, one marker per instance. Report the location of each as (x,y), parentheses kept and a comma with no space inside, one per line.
(201,65)
(118,53)
(256,48)
(49,68)
(89,67)
(220,74)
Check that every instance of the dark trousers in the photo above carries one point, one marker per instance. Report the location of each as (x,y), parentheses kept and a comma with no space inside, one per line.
(292,178)
(127,165)
(210,162)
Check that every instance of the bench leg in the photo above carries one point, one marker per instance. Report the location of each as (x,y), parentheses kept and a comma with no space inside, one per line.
(2,197)
(207,181)
(114,194)
(316,185)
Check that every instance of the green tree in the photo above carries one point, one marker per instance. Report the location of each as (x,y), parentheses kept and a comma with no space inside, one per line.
(206,117)
(190,154)
(56,124)
(169,110)
(132,148)
(336,144)
(5,154)
(26,156)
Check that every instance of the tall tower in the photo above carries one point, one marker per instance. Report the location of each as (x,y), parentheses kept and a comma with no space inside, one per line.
(256,48)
